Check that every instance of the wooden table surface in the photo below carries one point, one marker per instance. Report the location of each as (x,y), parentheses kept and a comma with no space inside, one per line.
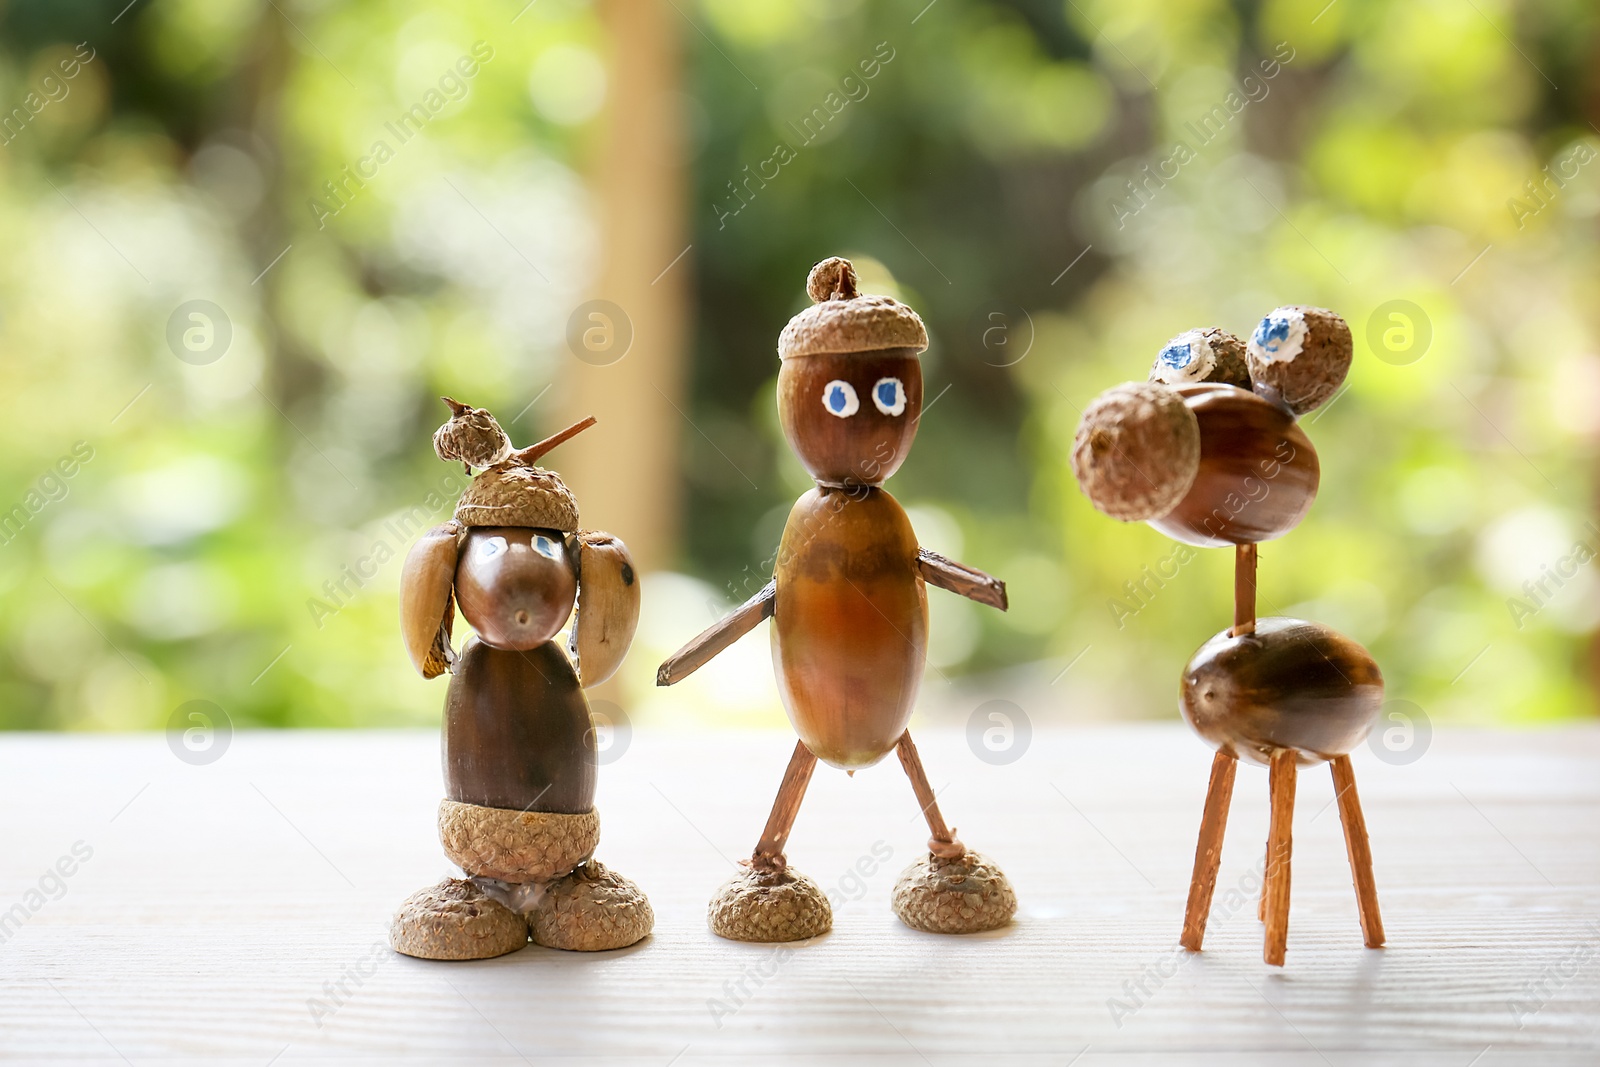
(213,912)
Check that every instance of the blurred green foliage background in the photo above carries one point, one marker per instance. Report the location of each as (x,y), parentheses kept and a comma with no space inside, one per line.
(1011,169)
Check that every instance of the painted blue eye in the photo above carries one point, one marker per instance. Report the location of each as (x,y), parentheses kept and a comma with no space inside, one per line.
(545,547)
(839,397)
(889,396)
(1270,332)
(492,546)
(1177,355)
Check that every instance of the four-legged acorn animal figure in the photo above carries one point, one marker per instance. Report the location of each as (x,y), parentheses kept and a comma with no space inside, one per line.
(1209,452)
(519,745)
(850,613)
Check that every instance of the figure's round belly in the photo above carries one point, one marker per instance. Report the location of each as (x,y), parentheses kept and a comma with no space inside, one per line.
(1291,684)
(850,636)
(517,732)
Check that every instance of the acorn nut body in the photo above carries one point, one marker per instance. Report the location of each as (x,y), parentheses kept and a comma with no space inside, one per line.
(1257,473)
(1290,684)
(850,636)
(517,732)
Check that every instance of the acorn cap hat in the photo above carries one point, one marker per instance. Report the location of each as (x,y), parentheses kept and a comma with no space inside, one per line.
(517,492)
(843,320)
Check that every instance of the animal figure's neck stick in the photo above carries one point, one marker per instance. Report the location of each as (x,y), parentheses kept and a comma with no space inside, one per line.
(1244,590)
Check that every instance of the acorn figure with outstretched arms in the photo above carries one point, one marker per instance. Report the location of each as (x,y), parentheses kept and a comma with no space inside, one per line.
(520,758)
(850,613)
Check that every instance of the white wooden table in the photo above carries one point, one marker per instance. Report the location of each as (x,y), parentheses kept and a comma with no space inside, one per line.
(223,905)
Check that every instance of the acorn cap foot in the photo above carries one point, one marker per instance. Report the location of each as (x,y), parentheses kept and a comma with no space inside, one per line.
(593,909)
(954,896)
(770,906)
(456,920)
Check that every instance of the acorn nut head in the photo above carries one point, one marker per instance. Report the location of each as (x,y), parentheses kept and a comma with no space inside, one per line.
(471,436)
(1299,356)
(1137,451)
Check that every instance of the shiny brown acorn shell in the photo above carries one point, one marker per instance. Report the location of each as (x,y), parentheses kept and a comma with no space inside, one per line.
(1258,471)
(860,449)
(1291,684)
(850,634)
(513,595)
(517,731)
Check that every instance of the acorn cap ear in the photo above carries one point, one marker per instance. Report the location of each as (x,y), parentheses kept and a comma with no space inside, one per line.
(427,598)
(608,606)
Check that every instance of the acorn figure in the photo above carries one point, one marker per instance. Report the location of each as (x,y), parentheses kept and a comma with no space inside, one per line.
(850,613)
(519,745)
(1214,463)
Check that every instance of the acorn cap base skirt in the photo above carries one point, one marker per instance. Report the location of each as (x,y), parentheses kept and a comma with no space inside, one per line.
(516,846)
(964,895)
(770,906)
(456,920)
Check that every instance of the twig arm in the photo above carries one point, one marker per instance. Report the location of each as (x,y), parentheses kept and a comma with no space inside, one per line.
(960,578)
(718,636)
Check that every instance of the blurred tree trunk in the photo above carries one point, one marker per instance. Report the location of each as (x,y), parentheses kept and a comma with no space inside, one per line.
(625,473)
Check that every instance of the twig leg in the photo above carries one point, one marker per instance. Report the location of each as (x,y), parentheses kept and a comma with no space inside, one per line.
(1266,878)
(942,840)
(769,850)
(1281,775)
(1208,851)
(1360,850)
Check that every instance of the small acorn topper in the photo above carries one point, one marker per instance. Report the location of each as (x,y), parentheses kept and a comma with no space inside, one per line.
(471,436)
(849,607)
(1208,355)
(1301,354)
(519,742)
(1210,453)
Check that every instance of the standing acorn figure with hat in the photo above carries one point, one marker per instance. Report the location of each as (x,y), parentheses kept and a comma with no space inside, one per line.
(1209,451)
(520,758)
(850,613)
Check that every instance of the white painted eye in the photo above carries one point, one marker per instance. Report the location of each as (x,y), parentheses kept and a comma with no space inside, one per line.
(840,399)
(545,547)
(492,547)
(889,396)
